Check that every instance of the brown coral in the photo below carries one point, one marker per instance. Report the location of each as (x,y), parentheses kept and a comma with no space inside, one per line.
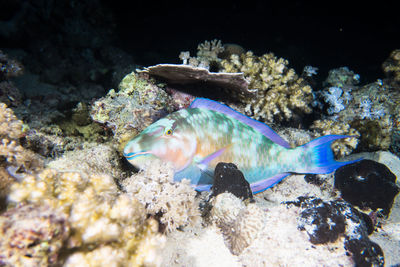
(391,66)
(280,92)
(31,235)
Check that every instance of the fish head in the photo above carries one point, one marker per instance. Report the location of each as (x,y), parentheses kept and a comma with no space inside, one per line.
(167,140)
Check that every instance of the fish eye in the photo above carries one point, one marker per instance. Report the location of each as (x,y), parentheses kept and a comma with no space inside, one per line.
(168,132)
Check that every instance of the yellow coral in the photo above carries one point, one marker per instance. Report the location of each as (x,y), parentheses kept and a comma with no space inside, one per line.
(14,159)
(99,215)
(10,126)
(280,91)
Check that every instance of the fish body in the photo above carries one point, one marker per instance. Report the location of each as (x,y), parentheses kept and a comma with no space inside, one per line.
(196,139)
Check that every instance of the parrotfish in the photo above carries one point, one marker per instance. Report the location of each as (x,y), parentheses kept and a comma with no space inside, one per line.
(194,140)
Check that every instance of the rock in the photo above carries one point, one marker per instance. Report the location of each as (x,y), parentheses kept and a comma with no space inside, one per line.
(367,184)
(227,178)
(328,221)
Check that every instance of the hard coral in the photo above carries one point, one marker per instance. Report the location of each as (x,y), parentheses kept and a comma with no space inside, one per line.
(10,126)
(14,159)
(32,235)
(391,67)
(280,92)
(92,158)
(207,55)
(239,224)
(137,104)
(341,147)
(174,202)
(98,214)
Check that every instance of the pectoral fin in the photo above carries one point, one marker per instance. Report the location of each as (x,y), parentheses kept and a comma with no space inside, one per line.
(203,164)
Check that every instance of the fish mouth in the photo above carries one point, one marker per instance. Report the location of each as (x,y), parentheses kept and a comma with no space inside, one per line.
(133,155)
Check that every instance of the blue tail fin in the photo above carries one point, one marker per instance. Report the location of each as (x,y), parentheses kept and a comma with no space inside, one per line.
(319,155)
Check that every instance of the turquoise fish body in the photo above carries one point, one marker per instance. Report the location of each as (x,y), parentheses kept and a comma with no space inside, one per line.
(196,139)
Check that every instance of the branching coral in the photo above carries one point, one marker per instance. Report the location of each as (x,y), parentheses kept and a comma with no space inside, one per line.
(207,54)
(280,92)
(175,202)
(97,213)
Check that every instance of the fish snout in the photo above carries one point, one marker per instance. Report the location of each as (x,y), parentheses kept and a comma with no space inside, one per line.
(131,150)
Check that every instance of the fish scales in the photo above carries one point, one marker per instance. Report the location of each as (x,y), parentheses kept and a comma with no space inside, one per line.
(196,139)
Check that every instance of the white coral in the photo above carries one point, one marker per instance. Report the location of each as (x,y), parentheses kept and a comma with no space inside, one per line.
(175,201)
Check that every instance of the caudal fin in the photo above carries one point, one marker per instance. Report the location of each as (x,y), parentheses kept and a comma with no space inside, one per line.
(320,157)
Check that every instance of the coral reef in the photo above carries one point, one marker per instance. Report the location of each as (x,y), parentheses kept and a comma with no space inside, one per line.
(98,214)
(391,67)
(80,124)
(341,147)
(32,235)
(371,110)
(367,184)
(173,202)
(207,55)
(137,104)
(342,77)
(14,159)
(91,158)
(280,93)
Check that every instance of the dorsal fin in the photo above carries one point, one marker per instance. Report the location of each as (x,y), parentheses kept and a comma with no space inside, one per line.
(259,126)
